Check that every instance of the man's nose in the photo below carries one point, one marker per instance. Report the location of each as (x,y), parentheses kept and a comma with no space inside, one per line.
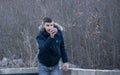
(50,27)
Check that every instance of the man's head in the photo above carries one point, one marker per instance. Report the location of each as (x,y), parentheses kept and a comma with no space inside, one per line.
(47,24)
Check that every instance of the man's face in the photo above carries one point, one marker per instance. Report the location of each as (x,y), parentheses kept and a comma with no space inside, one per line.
(48,26)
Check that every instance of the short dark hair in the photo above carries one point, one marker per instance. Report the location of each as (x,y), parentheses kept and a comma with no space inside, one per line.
(47,19)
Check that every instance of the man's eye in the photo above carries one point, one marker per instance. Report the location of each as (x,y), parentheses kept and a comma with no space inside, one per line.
(47,25)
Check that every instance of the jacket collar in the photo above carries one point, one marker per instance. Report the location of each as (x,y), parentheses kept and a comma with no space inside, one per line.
(46,34)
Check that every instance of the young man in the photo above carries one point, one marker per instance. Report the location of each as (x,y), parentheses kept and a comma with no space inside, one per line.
(51,46)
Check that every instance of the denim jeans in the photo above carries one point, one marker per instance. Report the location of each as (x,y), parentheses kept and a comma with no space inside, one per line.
(43,70)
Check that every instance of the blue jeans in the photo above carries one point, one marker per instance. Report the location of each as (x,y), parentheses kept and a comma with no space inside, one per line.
(43,70)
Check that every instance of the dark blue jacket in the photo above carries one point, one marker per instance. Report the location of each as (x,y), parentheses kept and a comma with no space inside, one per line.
(51,49)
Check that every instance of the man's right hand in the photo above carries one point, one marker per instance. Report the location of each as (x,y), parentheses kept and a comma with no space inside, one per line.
(52,32)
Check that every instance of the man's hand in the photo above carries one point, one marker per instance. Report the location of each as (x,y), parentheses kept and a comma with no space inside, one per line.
(65,66)
(52,32)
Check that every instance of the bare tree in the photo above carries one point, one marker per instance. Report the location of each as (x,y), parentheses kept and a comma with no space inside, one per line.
(91,30)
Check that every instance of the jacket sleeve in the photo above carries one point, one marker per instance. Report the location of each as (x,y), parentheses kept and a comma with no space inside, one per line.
(44,45)
(63,51)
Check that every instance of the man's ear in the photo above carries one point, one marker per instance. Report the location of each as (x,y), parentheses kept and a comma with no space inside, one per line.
(54,25)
